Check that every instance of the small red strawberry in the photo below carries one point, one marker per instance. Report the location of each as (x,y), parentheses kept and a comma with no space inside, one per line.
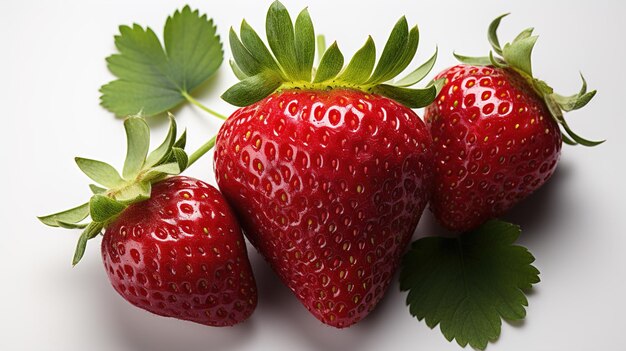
(328,172)
(495,131)
(171,245)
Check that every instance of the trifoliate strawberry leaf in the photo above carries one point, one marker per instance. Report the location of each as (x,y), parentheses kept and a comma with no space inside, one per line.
(153,78)
(469,284)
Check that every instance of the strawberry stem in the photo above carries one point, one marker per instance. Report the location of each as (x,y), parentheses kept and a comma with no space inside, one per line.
(201,106)
(201,151)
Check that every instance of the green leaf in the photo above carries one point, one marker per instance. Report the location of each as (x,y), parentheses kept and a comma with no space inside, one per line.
(305,45)
(100,172)
(103,208)
(492,34)
(419,73)
(252,89)
(280,36)
(152,78)
(159,154)
(360,67)
(73,215)
(407,56)
(393,51)
(182,140)
(413,98)
(575,102)
(67,225)
(321,46)
(330,65)
(518,54)
(90,232)
(138,143)
(171,168)
(134,193)
(468,284)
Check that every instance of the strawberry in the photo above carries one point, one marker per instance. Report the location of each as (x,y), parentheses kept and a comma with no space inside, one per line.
(329,173)
(496,135)
(171,245)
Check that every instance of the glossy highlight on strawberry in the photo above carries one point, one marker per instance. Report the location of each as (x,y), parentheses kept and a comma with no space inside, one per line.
(329,186)
(181,254)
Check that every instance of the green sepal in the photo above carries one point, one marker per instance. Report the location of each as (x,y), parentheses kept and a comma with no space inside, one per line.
(413,98)
(360,67)
(71,216)
(96,189)
(100,172)
(103,208)
(138,143)
(159,154)
(330,65)
(252,89)
(169,158)
(305,45)
(517,56)
(135,192)
(281,38)
(393,51)
(90,232)
(419,73)
(289,63)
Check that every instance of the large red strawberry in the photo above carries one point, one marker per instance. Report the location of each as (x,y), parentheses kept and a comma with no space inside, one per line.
(328,172)
(496,133)
(171,245)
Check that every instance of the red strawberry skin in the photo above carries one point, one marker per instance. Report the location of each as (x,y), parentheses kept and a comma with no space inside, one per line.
(494,143)
(181,254)
(329,186)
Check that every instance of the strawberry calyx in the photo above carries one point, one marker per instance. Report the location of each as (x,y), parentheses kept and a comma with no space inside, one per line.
(289,62)
(115,191)
(516,55)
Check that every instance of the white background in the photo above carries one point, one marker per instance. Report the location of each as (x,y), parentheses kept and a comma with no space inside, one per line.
(52,64)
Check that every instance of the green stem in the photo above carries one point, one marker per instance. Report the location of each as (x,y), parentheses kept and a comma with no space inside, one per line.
(201,151)
(201,106)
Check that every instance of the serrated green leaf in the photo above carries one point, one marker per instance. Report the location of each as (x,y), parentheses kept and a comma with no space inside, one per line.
(393,51)
(305,45)
(362,63)
(413,98)
(152,77)
(100,172)
(330,65)
(252,89)
(73,215)
(419,73)
(243,58)
(492,34)
(518,54)
(103,208)
(468,284)
(138,143)
(280,37)
(254,44)
(193,48)
(134,193)
(96,189)
(474,61)
(159,154)
(90,232)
